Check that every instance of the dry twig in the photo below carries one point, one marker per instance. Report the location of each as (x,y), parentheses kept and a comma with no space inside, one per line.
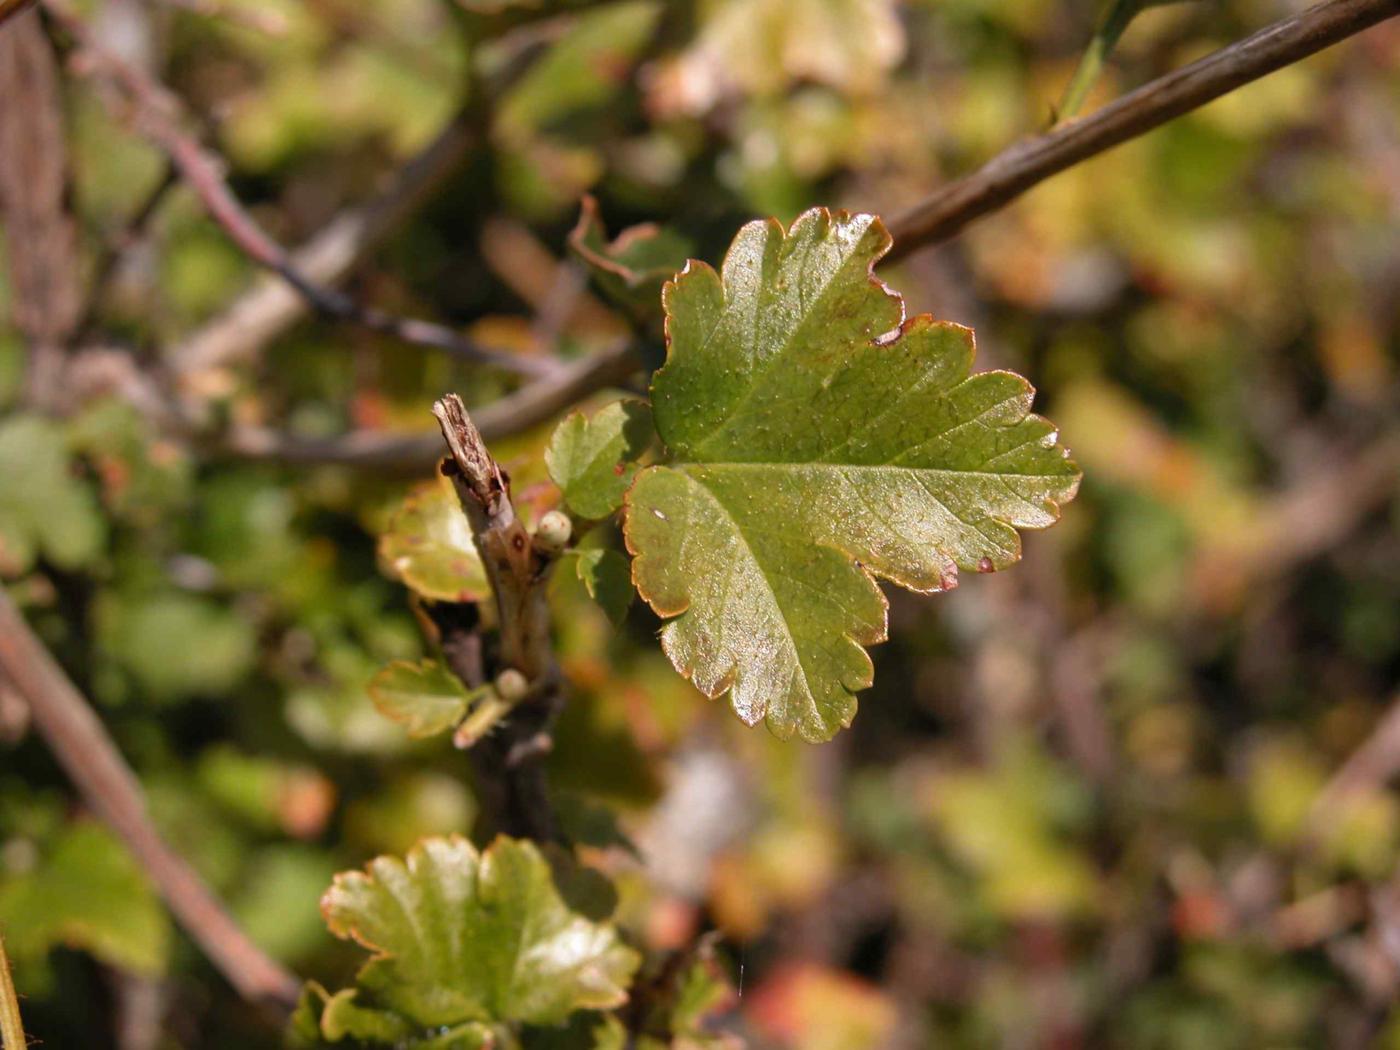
(518,569)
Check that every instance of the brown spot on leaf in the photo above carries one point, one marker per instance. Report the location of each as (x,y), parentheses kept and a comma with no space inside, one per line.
(984,564)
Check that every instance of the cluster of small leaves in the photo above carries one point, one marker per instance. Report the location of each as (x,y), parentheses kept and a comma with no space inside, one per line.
(806,438)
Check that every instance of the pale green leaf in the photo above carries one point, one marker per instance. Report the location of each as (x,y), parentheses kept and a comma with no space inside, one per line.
(425,697)
(761,47)
(593,460)
(44,508)
(87,894)
(459,936)
(818,441)
(428,546)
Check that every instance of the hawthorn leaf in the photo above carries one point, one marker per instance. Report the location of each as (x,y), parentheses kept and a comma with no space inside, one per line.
(631,268)
(425,697)
(428,546)
(816,441)
(594,459)
(459,937)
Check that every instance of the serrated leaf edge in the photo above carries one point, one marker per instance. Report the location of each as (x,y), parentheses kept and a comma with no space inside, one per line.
(697,268)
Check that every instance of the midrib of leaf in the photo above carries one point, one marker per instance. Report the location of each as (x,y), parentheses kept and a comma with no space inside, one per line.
(762,571)
(892,468)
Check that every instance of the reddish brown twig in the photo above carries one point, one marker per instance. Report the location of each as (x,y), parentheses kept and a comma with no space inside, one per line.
(40,233)
(157,115)
(272,306)
(87,754)
(10,8)
(1027,163)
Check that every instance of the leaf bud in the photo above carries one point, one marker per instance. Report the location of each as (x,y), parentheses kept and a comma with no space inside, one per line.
(511,685)
(553,532)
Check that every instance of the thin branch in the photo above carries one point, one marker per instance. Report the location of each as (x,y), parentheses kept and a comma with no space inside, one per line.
(133,231)
(10,8)
(1030,162)
(1368,769)
(529,406)
(41,237)
(11,1031)
(272,306)
(157,115)
(90,758)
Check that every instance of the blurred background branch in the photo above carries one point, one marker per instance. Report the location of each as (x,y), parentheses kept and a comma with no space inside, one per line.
(1027,163)
(81,744)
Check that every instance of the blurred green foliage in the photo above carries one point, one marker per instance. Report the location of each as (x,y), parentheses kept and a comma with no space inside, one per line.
(1087,802)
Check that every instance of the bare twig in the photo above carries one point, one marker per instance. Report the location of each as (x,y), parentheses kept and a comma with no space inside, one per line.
(11,1031)
(157,114)
(513,565)
(132,233)
(518,568)
(40,232)
(1029,162)
(529,406)
(1368,769)
(88,756)
(272,306)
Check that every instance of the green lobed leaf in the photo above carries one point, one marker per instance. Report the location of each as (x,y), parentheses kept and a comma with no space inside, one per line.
(426,698)
(43,507)
(428,546)
(459,936)
(87,894)
(594,459)
(817,441)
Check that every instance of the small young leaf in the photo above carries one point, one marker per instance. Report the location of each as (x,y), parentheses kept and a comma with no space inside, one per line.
(631,268)
(604,572)
(817,442)
(594,460)
(459,936)
(426,697)
(428,546)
